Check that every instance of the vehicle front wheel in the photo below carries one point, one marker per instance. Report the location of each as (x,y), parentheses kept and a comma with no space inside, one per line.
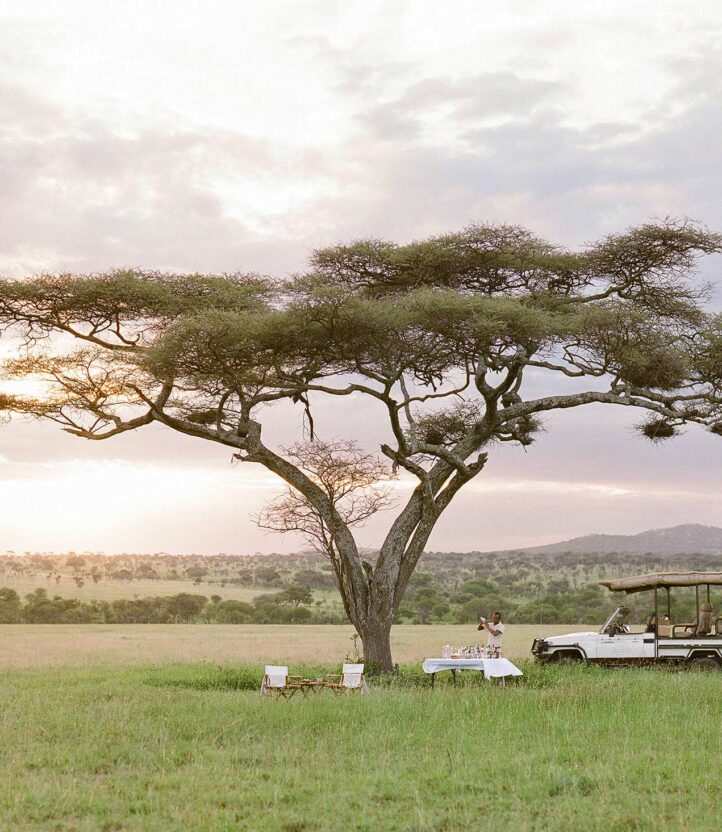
(568,657)
(704,663)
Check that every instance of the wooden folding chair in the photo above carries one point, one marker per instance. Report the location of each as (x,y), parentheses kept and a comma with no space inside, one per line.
(277,682)
(351,678)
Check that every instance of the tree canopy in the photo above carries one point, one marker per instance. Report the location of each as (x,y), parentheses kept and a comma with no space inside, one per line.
(444,335)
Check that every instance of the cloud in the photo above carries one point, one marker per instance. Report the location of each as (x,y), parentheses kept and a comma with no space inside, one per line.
(97,199)
(25,111)
(569,183)
(418,156)
(479,96)
(466,100)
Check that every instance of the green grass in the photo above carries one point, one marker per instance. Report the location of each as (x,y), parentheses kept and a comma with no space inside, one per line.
(194,747)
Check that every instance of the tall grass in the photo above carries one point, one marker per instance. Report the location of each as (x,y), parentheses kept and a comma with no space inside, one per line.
(194,747)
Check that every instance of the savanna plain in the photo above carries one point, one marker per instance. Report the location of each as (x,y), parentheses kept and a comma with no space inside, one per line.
(152,737)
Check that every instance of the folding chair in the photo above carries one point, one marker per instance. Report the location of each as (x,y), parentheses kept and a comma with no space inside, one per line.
(351,678)
(276,682)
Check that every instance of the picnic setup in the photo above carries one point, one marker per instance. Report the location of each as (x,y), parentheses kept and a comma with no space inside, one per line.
(488,661)
(278,683)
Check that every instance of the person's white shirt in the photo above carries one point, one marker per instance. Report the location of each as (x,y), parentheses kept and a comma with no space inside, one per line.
(494,641)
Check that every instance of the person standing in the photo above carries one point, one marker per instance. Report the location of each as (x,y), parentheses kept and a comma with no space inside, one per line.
(495,628)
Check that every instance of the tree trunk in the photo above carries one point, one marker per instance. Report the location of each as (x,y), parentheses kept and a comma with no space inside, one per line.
(376,638)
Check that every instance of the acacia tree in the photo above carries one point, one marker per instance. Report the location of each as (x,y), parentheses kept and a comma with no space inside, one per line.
(441,337)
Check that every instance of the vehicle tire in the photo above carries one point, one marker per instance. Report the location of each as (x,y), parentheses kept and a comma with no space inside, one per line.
(704,663)
(568,657)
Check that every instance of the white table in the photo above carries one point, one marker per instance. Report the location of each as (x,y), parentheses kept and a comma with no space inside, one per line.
(491,668)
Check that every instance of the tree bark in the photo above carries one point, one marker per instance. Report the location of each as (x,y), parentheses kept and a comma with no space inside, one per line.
(376,637)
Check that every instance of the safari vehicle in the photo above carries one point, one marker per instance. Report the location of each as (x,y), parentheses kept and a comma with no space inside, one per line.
(695,644)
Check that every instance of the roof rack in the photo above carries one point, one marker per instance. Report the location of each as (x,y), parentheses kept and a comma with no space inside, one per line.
(641,583)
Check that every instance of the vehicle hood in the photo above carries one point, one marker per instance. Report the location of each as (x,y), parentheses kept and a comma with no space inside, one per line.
(570,638)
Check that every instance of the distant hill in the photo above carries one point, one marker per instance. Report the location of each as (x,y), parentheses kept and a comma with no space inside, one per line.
(690,538)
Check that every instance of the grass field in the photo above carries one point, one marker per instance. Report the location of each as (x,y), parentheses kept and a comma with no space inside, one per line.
(193,747)
(103,645)
(109,590)
(149,728)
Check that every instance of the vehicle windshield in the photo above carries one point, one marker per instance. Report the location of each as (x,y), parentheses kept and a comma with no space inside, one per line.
(617,622)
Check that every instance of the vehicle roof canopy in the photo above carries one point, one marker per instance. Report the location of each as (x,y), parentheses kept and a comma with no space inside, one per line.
(641,583)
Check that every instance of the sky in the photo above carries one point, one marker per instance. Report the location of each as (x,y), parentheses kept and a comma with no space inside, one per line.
(239,136)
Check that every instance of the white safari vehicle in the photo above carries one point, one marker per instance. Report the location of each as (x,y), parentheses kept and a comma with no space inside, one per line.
(695,644)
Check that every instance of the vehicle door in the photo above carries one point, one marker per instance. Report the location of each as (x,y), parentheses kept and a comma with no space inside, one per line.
(625,646)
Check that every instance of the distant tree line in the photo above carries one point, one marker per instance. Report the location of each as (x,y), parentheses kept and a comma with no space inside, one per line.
(448,587)
(267,571)
(291,606)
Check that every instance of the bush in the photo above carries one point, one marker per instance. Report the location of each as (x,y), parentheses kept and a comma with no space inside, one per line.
(232,612)
(10,606)
(472,610)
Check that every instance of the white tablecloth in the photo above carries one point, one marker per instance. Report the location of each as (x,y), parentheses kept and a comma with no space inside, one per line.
(491,668)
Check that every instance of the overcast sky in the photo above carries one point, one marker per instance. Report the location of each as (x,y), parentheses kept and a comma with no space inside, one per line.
(226,136)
